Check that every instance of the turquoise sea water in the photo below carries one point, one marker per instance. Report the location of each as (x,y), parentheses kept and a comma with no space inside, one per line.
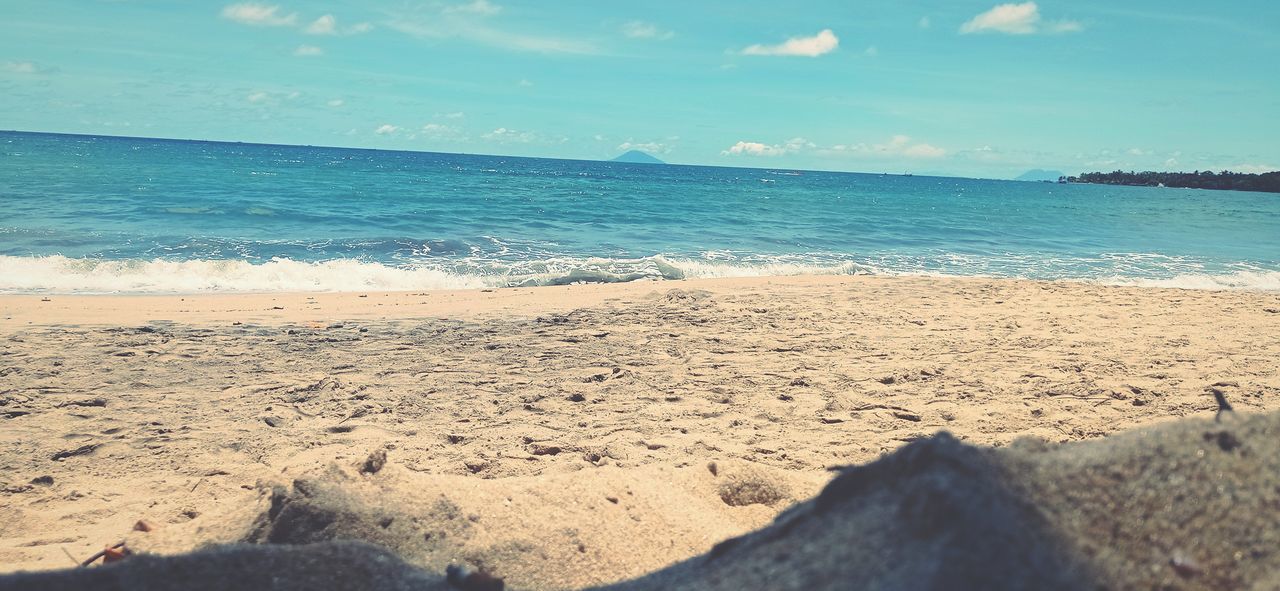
(103,214)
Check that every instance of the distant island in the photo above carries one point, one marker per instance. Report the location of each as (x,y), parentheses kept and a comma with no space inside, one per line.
(1225,180)
(637,157)
(1037,175)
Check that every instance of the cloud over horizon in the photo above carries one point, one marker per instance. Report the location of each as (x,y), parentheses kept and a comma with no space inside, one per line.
(504,135)
(649,147)
(899,146)
(790,146)
(823,43)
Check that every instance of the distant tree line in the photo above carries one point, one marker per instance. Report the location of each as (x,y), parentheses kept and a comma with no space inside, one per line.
(1225,180)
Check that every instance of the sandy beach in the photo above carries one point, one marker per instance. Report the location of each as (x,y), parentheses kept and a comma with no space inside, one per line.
(611,430)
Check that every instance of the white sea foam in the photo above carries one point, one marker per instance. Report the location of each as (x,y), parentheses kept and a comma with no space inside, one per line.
(695,269)
(1239,280)
(59,274)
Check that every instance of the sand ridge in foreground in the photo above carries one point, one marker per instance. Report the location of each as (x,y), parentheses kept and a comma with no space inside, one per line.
(187,410)
(1181,506)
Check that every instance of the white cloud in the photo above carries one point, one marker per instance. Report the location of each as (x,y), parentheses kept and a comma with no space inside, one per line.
(822,43)
(790,146)
(505,135)
(21,67)
(336,103)
(325,25)
(482,7)
(1064,26)
(1017,19)
(986,154)
(453,115)
(461,27)
(442,131)
(308,51)
(1252,168)
(924,22)
(259,15)
(923,151)
(871,51)
(1137,152)
(898,145)
(272,98)
(643,30)
(798,143)
(523,83)
(753,149)
(1014,19)
(328,25)
(386,129)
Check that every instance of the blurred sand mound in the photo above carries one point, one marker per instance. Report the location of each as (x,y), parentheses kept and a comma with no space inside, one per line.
(591,527)
(1189,505)
(1186,505)
(331,565)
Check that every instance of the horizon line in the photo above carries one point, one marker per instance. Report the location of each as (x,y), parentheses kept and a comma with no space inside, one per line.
(664,163)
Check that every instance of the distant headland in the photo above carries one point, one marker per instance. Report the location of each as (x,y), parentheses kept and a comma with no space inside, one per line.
(637,157)
(1201,179)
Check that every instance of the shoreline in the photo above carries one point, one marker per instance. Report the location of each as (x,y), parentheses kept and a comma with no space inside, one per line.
(301,306)
(57,275)
(186,411)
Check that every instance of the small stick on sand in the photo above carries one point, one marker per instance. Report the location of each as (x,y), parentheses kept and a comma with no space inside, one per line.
(1223,405)
(74,560)
(193,487)
(101,553)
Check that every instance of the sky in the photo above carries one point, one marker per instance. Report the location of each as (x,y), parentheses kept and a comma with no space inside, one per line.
(955,87)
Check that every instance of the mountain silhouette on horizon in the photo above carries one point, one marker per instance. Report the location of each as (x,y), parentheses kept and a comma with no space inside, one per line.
(637,157)
(1037,174)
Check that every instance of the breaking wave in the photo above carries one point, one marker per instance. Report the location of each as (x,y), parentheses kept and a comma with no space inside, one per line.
(1239,280)
(59,274)
(66,275)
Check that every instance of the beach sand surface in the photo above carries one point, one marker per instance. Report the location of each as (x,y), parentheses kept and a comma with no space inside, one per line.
(609,430)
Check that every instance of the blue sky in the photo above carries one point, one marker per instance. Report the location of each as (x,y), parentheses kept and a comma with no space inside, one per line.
(974,88)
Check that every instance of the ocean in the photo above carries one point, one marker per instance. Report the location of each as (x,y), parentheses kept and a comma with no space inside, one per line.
(90,214)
